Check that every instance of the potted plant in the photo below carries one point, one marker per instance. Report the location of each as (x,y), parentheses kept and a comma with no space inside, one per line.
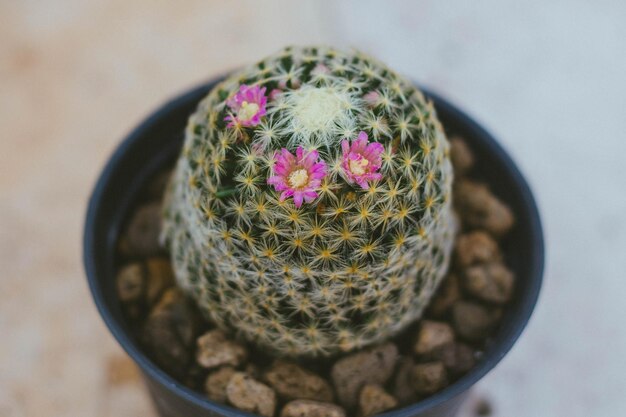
(328,259)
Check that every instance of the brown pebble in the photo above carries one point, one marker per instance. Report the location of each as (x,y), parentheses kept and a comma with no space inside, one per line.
(373,400)
(169,331)
(308,408)
(429,378)
(142,234)
(471,321)
(159,277)
(431,336)
(351,373)
(480,209)
(182,310)
(448,294)
(458,358)
(491,282)
(402,382)
(215,349)
(292,382)
(476,248)
(130,284)
(250,395)
(461,156)
(216,383)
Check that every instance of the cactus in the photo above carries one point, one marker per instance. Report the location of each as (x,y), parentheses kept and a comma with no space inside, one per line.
(310,209)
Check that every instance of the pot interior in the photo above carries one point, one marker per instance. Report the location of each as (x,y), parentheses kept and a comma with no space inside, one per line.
(155,145)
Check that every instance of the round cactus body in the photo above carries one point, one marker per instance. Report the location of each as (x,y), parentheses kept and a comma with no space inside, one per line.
(310,209)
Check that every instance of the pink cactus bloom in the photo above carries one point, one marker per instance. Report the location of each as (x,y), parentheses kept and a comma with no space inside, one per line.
(320,69)
(298,176)
(361,160)
(248,105)
(372,98)
(275,93)
(295,83)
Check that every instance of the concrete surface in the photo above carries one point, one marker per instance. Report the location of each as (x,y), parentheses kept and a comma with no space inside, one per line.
(547,77)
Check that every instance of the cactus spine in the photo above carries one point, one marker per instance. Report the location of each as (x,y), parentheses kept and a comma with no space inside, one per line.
(310,209)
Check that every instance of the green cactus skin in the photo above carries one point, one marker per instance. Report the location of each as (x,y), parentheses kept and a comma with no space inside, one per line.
(351,268)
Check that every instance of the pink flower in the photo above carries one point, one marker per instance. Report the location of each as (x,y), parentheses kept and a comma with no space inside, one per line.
(297,176)
(372,98)
(248,105)
(361,160)
(295,83)
(320,69)
(275,93)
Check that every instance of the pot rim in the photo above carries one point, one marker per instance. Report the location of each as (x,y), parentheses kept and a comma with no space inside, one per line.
(492,357)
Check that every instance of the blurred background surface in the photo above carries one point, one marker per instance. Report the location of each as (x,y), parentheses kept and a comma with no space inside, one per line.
(547,78)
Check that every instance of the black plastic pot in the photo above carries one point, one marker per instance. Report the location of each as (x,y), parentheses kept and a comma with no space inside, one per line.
(156,143)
